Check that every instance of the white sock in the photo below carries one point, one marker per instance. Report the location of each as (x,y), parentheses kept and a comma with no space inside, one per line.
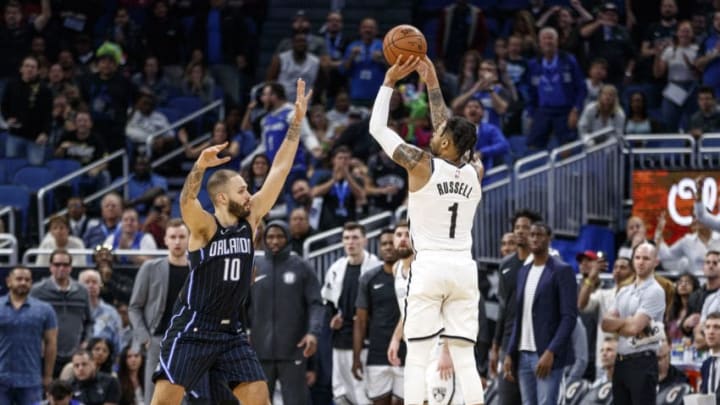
(463,357)
(416,363)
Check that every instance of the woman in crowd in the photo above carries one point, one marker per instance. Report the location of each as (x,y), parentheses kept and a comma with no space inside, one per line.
(638,121)
(603,113)
(131,375)
(684,286)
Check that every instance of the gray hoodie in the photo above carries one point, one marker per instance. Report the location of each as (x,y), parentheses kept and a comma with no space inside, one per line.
(285,302)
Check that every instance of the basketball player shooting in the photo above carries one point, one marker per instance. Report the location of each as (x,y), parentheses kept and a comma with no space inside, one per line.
(444,192)
(205,335)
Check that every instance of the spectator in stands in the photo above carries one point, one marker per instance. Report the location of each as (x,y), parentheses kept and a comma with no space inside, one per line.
(557,93)
(15,36)
(84,145)
(597,73)
(490,91)
(700,211)
(611,41)
(157,219)
(684,286)
(638,121)
(59,237)
(324,130)
(128,35)
(29,334)
(165,38)
(336,45)
(376,314)
(693,246)
(462,27)
(704,301)
(523,26)
(509,391)
(668,375)
(144,185)
(156,287)
(364,64)
(151,80)
(301,196)
(658,36)
(635,232)
(63,120)
(111,207)
(598,301)
(125,326)
(386,184)
(197,83)
(339,190)
(342,110)
(257,172)
(107,320)
(708,371)
(71,304)
(129,236)
(59,392)
(605,113)
(468,70)
(608,355)
(299,229)
(116,284)
(90,386)
(676,62)
(108,95)
(223,34)
(637,308)
(547,315)
(339,293)
(286,67)
(77,219)
(491,146)
(315,44)
(131,370)
(27,111)
(508,244)
(707,118)
(55,80)
(286,283)
(564,21)
(708,60)
(145,122)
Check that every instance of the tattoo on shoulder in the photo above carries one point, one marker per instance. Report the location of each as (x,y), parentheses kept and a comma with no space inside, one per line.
(408,156)
(438,109)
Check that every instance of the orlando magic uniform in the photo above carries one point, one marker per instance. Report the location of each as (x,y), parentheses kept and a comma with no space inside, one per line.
(205,334)
(443,291)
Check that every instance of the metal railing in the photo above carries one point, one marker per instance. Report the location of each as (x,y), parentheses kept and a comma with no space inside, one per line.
(9,212)
(605,174)
(661,151)
(708,153)
(8,249)
(35,252)
(215,104)
(121,153)
(493,214)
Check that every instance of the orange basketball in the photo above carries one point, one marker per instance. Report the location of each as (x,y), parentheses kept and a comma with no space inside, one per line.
(404,40)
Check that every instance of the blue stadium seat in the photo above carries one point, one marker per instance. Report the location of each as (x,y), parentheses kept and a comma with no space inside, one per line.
(172,114)
(187,23)
(3,140)
(598,238)
(33,177)
(185,104)
(518,145)
(11,166)
(63,167)
(17,197)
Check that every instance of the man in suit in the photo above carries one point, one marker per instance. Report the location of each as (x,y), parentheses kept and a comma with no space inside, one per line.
(710,370)
(157,285)
(546,316)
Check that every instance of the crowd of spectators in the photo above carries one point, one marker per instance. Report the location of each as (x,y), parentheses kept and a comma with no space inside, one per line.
(79,82)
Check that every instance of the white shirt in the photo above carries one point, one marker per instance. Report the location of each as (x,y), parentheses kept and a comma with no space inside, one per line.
(527,334)
(677,69)
(600,303)
(689,246)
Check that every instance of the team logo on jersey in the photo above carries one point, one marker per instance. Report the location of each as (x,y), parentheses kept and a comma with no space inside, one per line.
(439,393)
(457,173)
(289,278)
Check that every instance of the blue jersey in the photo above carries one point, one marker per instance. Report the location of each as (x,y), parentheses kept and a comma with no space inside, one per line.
(275,126)
(220,273)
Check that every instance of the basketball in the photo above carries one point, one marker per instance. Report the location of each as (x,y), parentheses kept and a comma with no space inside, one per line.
(404,40)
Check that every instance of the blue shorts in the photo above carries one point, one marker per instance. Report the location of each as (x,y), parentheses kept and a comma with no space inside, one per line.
(195,345)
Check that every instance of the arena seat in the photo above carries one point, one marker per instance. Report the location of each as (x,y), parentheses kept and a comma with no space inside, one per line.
(10,166)
(601,395)
(674,394)
(17,197)
(33,177)
(575,392)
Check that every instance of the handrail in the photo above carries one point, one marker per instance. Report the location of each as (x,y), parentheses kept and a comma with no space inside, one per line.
(61,181)
(12,251)
(180,150)
(338,230)
(10,212)
(527,159)
(118,252)
(662,137)
(181,121)
(121,182)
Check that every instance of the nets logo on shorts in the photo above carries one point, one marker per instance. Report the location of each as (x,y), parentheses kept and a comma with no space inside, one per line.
(439,393)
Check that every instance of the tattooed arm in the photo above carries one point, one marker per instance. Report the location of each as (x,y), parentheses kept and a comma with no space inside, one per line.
(265,198)
(438,109)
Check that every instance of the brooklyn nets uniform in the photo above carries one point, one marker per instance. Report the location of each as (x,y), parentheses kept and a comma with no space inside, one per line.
(205,333)
(443,291)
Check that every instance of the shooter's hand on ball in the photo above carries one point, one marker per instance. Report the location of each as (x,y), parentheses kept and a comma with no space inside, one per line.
(400,69)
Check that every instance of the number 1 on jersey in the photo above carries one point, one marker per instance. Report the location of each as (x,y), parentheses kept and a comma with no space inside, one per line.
(453,219)
(232,269)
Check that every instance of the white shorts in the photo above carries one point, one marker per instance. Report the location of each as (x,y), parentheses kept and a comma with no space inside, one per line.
(439,391)
(383,381)
(442,297)
(344,383)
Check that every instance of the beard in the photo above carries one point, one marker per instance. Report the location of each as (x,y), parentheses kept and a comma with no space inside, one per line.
(404,252)
(238,210)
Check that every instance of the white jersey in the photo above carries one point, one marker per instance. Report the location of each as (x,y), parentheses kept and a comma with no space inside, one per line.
(441,213)
(401,286)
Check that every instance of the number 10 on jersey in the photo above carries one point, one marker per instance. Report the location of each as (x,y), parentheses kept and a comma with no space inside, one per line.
(232,270)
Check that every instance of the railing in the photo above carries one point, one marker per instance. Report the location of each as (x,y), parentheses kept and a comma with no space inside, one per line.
(8,249)
(493,214)
(332,247)
(708,156)
(215,104)
(9,212)
(121,153)
(33,253)
(661,151)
